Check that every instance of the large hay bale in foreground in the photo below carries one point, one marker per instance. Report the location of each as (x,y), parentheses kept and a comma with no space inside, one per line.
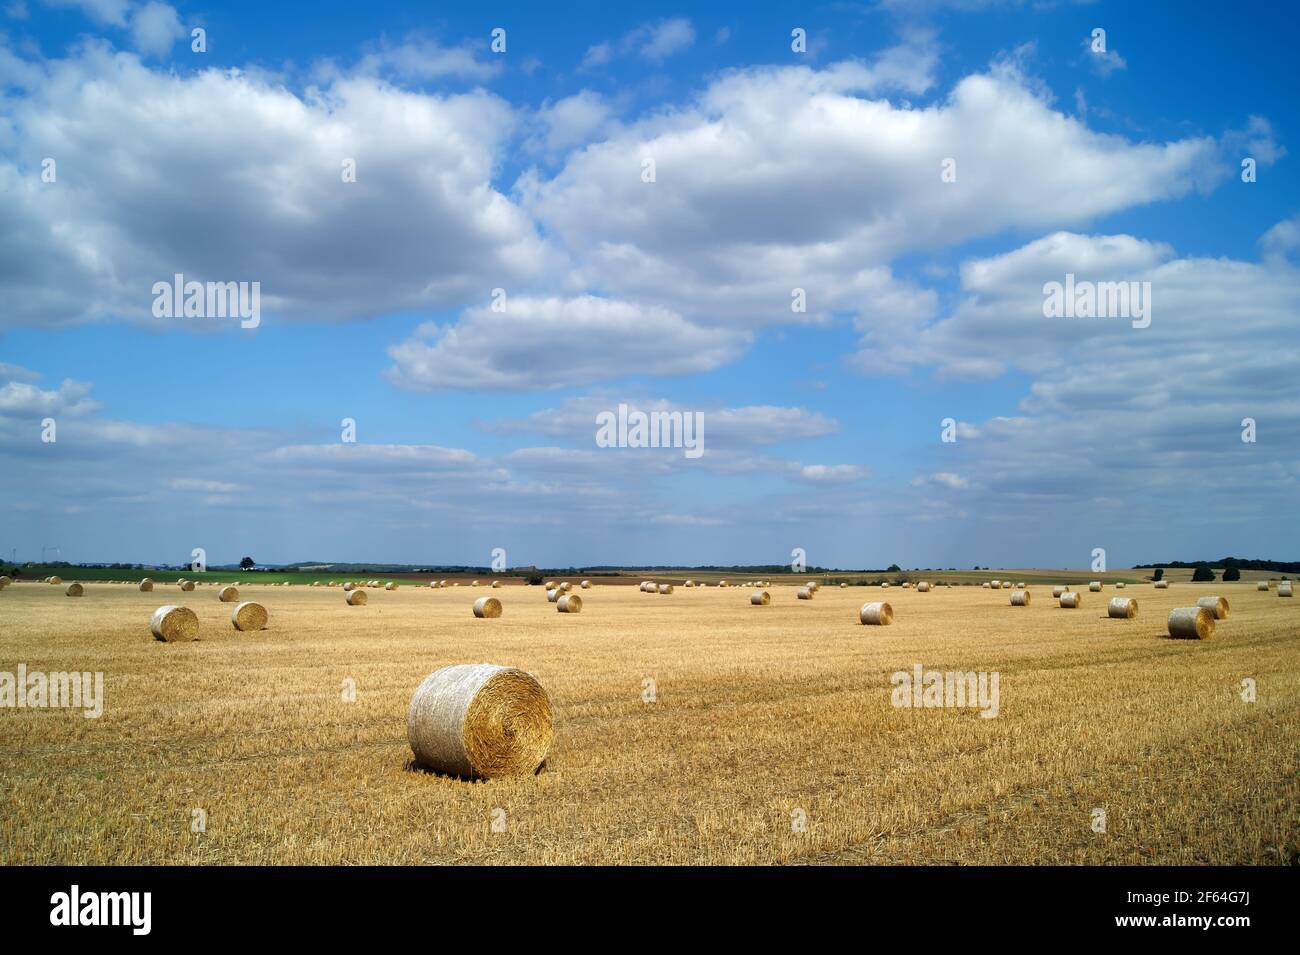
(187,585)
(1215,604)
(487,607)
(1095,586)
(171,624)
(569,603)
(1284,589)
(74,590)
(1191,623)
(357,598)
(805,593)
(478,720)
(1262,585)
(878,614)
(1020,598)
(1071,600)
(228,595)
(1122,608)
(249,616)
(760,598)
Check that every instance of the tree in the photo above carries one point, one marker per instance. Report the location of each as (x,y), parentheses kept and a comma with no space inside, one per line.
(247,563)
(893,569)
(1202,573)
(1231,573)
(1159,574)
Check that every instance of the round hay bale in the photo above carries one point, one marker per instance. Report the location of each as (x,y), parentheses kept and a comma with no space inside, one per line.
(496,584)
(390,586)
(885,585)
(74,590)
(565,587)
(1120,585)
(1094,586)
(923,587)
(842,585)
(996,584)
(690,583)
(357,598)
(1057,591)
(1006,585)
(1216,605)
(228,595)
(586,585)
(805,593)
(760,598)
(877,614)
(1020,598)
(665,588)
(1020,585)
(249,616)
(986,585)
(56,580)
(1071,600)
(315,583)
(1162,585)
(478,720)
(171,624)
(349,586)
(1284,589)
(187,585)
(5,581)
(1122,608)
(487,607)
(569,603)
(473,583)
(552,595)
(550,584)
(146,585)
(1262,585)
(722,583)
(1191,623)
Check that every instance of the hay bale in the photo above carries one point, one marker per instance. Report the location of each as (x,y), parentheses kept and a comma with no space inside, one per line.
(986,585)
(885,585)
(74,590)
(1120,585)
(805,593)
(315,583)
(690,583)
(996,584)
(496,585)
(1020,585)
(473,583)
(1162,585)
(187,585)
(842,585)
(1284,589)
(349,586)
(665,588)
(1020,598)
(569,603)
(56,580)
(552,595)
(1216,605)
(1006,585)
(923,587)
(5,581)
(478,720)
(357,598)
(228,595)
(565,587)
(1071,600)
(1122,608)
(487,607)
(877,614)
(1057,591)
(1191,623)
(249,616)
(760,598)
(1262,585)
(171,624)
(586,585)
(390,586)
(550,584)
(146,585)
(1094,586)
(722,583)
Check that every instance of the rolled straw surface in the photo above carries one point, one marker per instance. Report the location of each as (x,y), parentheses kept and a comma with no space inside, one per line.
(878,614)
(1191,623)
(487,607)
(249,616)
(171,623)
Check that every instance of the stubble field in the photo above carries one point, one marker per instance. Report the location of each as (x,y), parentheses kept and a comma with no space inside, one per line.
(762,718)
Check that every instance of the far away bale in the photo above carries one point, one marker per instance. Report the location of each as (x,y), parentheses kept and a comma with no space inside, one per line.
(496,584)
(552,595)
(228,595)
(249,616)
(390,586)
(1071,600)
(1122,608)
(877,614)
(1216,605)
(1162,585)
(1058,590)
(1191,623)
(349,586)
(665,588)
(1284,589)
(1120,585)
(1262,585)
(146,585)
(171,624)
(760,598)
(569,603)
(1095,586)
(187,585)
(487,607)
(923,587)
(586,584)
(1020,598)
(805,593)
(74,590)
(357,598)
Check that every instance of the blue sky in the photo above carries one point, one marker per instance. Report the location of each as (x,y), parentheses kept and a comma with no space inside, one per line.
(521,170)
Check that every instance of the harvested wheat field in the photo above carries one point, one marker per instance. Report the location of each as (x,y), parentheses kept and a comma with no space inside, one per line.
(690,730)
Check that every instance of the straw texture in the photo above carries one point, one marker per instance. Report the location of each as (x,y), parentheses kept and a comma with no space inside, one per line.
(1191,623)
(171,624)
(249,616)
(876,614)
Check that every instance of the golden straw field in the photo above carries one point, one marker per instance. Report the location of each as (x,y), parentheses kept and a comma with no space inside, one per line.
(760,713)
